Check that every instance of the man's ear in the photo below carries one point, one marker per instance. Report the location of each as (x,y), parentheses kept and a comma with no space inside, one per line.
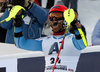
(75,15)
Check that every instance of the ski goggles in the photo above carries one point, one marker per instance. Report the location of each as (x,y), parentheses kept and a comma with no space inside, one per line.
(56,15)
(55,23)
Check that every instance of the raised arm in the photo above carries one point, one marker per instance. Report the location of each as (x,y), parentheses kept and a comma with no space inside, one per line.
(79,40)
(6,25)
(40,13)
(27,44)
(38,17)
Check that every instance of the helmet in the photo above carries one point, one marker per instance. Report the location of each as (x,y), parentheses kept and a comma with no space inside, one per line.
(58,8)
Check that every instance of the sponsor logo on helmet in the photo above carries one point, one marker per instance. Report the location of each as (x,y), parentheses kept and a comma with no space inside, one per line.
(56,7)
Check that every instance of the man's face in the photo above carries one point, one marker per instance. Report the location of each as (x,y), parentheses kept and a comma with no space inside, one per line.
(56,19)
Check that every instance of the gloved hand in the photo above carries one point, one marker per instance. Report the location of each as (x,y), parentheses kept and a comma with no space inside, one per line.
(18,21)
(29,5)
(73,24)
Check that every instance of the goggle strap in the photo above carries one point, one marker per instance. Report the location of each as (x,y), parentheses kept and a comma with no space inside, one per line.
(62,18)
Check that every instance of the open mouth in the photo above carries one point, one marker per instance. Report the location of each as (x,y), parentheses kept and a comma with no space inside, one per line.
(55,24)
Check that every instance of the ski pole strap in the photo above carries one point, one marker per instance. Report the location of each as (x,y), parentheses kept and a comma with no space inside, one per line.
(66,30)
(83,36)
(2,21)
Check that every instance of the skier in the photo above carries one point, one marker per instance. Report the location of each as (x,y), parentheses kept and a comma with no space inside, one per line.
(33,21)
(72,46)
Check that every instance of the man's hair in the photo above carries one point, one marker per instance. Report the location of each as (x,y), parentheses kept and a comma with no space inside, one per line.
(3,1)
(17,2)
(76,11)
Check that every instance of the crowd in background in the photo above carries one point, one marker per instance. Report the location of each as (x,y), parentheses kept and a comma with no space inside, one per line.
(4,4)
(43,28)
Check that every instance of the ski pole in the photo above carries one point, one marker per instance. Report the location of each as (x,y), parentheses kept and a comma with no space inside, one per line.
(69,16)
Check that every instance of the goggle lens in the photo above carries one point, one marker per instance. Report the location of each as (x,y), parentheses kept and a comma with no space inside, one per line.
(56,15)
